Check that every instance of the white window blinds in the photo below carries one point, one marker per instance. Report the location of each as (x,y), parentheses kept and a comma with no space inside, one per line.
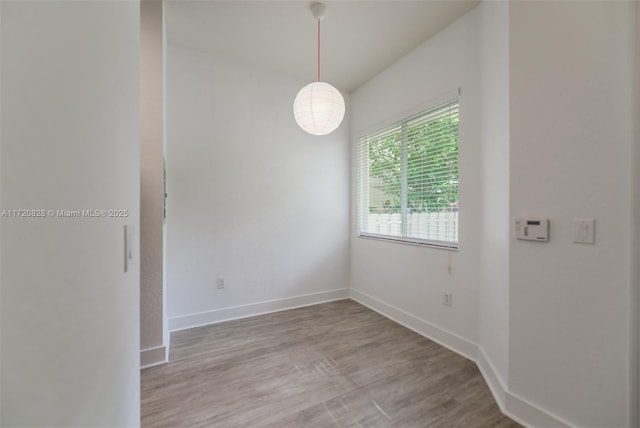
(408,179)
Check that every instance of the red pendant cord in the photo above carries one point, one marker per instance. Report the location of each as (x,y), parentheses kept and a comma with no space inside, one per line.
(318,50)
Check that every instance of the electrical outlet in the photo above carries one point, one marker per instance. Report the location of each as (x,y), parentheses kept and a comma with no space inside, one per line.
(219,283)
(447,299)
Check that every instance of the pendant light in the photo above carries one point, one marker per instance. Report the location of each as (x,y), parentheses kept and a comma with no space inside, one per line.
(318,107)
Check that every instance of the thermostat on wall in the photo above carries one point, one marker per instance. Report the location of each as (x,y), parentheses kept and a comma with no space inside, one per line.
(532,229)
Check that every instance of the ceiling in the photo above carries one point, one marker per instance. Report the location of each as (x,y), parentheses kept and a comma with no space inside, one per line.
(359,38)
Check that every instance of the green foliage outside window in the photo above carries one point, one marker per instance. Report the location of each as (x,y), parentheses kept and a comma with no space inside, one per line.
(431,168)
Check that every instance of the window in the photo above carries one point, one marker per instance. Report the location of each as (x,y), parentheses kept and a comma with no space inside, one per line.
(408,179)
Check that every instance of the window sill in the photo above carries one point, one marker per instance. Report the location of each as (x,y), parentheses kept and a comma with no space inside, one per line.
(438,245)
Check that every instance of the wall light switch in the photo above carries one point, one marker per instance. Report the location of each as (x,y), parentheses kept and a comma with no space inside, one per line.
(584,230)
(128,247)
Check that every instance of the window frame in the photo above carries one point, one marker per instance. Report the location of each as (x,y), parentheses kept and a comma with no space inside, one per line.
(362,203)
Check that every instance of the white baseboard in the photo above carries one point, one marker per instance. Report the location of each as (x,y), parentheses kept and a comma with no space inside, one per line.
(494,381)
(424,328)
(530,415)
(517,408)
(153,357)
(253,309)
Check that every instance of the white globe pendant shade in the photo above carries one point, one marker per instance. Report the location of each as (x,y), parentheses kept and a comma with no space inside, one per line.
(319,108)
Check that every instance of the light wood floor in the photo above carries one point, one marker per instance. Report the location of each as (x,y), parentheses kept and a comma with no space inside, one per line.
(336,364)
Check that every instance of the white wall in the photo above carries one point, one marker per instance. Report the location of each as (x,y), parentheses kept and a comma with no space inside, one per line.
(493,299)
(570,156)
(407,281)
(151,184)
(252,198)
(69,140)
(546,130)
